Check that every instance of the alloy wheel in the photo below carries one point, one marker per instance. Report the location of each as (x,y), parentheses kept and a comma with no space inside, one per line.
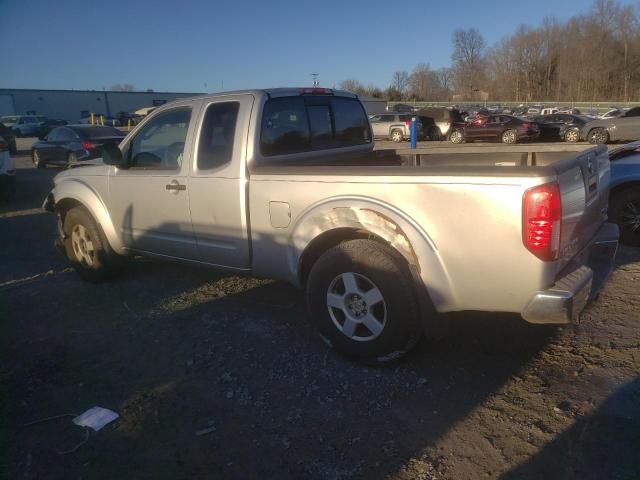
(83,247)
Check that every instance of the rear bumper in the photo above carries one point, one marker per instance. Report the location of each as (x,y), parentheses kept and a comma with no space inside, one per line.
(563,302)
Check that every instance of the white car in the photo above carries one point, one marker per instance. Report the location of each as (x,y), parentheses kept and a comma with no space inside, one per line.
(7,171)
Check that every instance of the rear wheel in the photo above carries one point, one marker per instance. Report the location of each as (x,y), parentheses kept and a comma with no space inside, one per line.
(510,136)
(435,134)
(85,246)
(361,297)
(396,135)
(572,135)
(624,209)
(37,161)
(598,136)
(456,137)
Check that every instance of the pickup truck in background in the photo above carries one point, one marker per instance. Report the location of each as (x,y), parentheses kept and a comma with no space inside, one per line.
(284,183)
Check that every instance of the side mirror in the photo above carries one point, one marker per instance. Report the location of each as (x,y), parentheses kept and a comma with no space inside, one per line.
(111,155)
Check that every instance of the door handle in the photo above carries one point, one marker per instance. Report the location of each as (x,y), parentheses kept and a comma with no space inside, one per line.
(175,186)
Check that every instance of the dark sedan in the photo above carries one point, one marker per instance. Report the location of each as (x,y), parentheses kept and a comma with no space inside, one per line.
(561,126)
(73,143)
(501,128)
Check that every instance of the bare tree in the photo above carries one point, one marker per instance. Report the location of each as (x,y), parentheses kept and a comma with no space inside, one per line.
(468,59)
(353,86)
(400,82)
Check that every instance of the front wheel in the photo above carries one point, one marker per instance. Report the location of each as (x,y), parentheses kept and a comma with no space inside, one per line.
(624,209)
(456,137)
(85,246)
(598,136)
(361,297)
(572,135)
(397,136)
(510,137)
(37,161)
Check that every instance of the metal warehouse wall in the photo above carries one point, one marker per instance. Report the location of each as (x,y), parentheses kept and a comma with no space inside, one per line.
(69,104)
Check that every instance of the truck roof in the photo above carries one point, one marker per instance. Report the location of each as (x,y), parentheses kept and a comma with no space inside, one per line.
(279,92)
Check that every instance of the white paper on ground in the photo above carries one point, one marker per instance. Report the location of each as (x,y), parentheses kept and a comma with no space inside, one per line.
(96,418)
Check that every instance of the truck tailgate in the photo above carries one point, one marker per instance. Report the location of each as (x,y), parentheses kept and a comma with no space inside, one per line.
(584,187)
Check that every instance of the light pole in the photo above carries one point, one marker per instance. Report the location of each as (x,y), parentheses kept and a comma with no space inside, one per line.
(316,82)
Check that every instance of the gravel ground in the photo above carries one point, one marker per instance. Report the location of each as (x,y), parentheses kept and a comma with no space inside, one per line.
(218,376)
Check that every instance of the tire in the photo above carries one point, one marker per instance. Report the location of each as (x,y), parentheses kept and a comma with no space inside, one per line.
(598,136)
(624,209)
(35,156)
(457,137)
(396,135)
(72,158)
(572,135)
(86,247)
(509,137)
(361,298)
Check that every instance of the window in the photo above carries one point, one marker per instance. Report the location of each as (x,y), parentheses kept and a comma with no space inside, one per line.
(302,124)
(387,118)
(217,135)
(160,144)
(320,123)
(284,127)
(350,122)
(375,119)
(54,135)
(634,112)
(405,118)
(66,135)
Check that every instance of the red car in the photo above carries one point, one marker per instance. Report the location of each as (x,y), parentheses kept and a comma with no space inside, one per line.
(501,128)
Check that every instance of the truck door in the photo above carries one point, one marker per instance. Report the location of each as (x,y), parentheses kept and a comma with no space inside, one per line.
(149,201)
(628,126)
(218,182)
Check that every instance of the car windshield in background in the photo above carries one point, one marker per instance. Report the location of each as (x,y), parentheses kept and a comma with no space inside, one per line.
(96,132)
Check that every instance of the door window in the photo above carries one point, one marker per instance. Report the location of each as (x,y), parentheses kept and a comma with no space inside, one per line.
(54,135)
(160,143)
(218,132)
(66,135)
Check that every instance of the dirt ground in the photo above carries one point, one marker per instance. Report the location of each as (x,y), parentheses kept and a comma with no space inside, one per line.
(217,376)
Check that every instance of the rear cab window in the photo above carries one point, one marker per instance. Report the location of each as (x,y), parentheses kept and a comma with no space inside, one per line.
(312,123)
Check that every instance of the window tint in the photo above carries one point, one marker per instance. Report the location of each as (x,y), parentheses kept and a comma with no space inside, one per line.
(301,124)
(634,112)
(160,143)
(350,122)
(405,118)
(320,123)
(53,135)
(217,135)
(284,127)
(96,132)
(66,135)
(388,118)
(374,119)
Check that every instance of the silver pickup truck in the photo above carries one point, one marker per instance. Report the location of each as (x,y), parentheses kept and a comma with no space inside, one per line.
(284,183)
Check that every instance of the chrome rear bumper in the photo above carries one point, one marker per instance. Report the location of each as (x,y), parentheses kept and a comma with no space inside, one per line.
(563,302)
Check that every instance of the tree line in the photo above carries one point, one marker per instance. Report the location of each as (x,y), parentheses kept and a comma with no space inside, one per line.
(590,57)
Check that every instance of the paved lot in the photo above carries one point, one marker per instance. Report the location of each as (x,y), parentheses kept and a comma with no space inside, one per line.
(176,350)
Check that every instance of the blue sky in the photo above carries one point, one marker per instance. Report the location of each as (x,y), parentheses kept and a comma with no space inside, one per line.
(183,45)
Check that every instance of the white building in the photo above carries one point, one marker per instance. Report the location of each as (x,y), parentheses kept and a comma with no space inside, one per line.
(71,105)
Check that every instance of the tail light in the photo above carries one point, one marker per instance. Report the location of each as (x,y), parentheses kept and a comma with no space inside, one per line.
(88,145)
(527,125)
(542,220)
(4,146)
(316,91)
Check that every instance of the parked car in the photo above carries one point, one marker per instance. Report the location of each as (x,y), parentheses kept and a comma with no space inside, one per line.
(400,108)
(613,113)
(7,171)
(438,123)
(623,127)
(501,128)
(284,183)
(46,126)
(22,125)
(393,126)
(73,143)
(560,126)
(624,201)
(9,137)
(548,111)
(533,111)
